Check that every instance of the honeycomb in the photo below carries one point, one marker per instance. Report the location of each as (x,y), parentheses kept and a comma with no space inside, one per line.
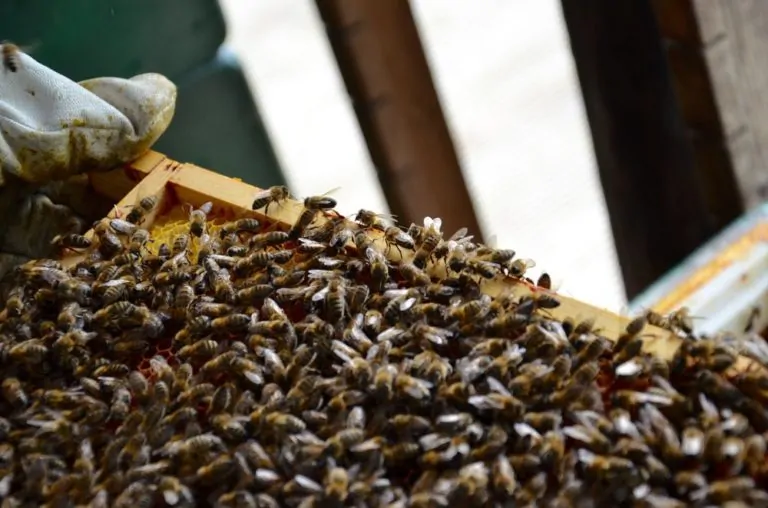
(296,371)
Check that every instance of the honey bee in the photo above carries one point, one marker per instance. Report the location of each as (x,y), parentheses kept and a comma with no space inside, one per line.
(258,259)
(400,453)
(335,300)
(197,218)
(341,442)
(231,323)
(180,243)
(175,492)
(682,320)
(519,267)
(283,423)
(11,52)
(322,202)
(121,401)
(379,269)
(256,456)
(138,241)
(590,352)
(217,470)
(428,239)
(312,207)
(337,485)
(413,274)
(204,348)
(302,223)
(70,241)
(223,288)
(254,293)
(372,220)
(109,244)
(269,239)
(222,398)
(244,499)
(544,281)
(119,226)
(342,232)
(274,194)
(200,444)
(126,258)
(229,427)
(14,393)
(144,207)
(301,485)
(15,305)
(30,351)
(113,290)
(248,225)
(135,494)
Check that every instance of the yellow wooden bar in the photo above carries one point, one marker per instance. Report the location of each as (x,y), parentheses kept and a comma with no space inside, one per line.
(178,184)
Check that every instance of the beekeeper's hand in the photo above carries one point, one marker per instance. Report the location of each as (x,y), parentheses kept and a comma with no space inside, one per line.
(52,130)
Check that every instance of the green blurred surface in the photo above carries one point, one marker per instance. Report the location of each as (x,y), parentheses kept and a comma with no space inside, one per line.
(217,123)
(218,126)
(88,38)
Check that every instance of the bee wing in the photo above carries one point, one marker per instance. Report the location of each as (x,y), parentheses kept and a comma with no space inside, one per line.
(273,307)
(321,274)
(308,484)
(206,207)
(30,48)
(436,223)
(395,293)
(115,282)
(523,430)
(629,368)
(328,262)
(122,226)
(341,353)
(335,189)
(497,386)
(402,236)
(407,304)
(265,193)
(310,243)
(320,294)
(461,234)
(389,333)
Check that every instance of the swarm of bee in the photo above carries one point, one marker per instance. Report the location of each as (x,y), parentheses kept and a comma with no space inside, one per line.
(243,365)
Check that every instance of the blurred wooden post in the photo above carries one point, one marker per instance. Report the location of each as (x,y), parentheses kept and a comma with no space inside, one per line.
(377,47)
(718,57)
(659,199)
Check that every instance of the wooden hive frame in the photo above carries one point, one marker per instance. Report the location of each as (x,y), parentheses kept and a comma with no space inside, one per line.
(176,184)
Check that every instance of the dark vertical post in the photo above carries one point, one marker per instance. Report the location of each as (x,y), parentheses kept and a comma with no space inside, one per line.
(643,149)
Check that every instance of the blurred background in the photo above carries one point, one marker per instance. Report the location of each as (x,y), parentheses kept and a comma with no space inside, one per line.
(505,76)
(607,141)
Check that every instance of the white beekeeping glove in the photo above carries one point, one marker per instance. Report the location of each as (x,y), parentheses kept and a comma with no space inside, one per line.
(53,129)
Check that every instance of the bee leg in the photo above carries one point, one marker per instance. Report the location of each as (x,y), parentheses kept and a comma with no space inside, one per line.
(72,250)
